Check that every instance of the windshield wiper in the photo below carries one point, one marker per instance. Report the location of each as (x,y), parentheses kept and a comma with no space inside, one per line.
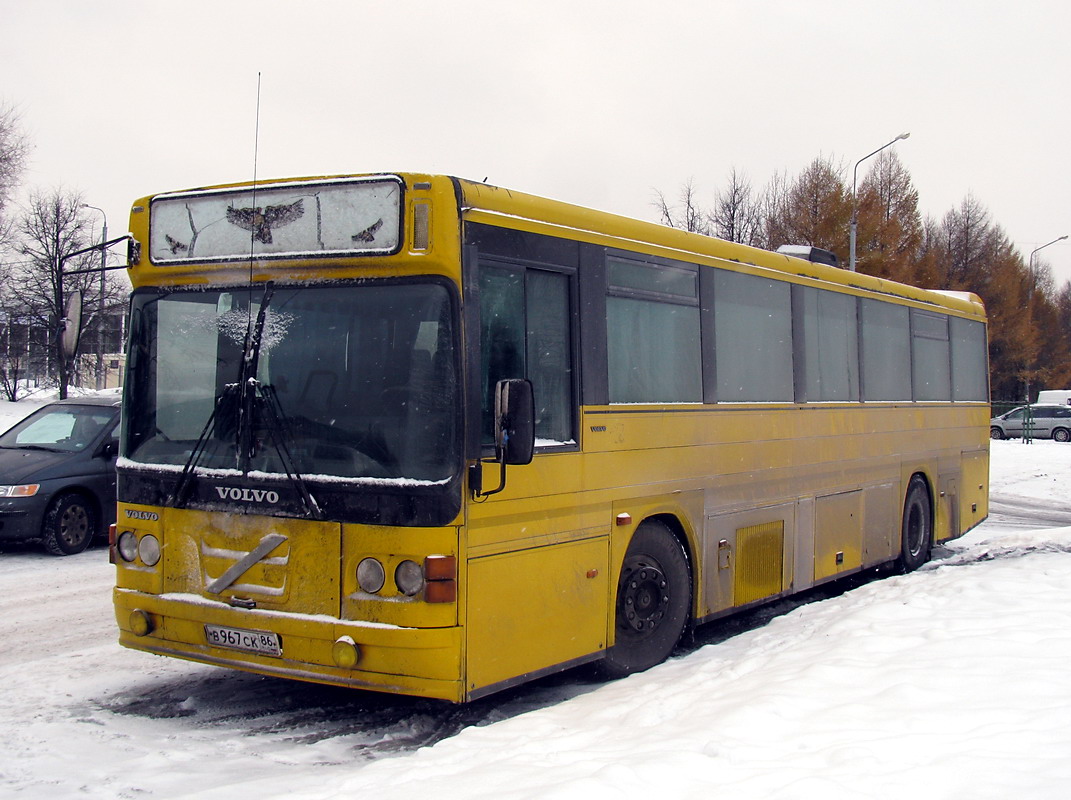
(177,498)
(266,402)
(238,406)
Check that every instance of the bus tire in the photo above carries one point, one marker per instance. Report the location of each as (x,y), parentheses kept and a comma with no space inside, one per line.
(916,533)
(70,525)
(654,594)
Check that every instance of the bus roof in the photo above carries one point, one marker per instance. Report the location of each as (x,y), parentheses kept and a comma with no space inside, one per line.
(483,202)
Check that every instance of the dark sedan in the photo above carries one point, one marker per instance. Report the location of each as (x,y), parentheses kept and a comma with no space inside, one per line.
(57,474)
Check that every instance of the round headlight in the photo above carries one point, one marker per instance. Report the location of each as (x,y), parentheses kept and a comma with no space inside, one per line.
(370,575)
(409,577)
(149,550)
(127,545)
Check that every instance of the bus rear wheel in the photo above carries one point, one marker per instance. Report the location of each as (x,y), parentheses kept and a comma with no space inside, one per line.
(917,529)
(654,595)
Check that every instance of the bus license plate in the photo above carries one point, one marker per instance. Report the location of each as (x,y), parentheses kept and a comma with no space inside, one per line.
(237,639)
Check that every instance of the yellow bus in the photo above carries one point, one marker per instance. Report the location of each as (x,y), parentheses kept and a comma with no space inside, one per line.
(417,434)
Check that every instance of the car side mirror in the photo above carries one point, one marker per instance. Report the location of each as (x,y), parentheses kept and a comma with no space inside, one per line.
(109,450)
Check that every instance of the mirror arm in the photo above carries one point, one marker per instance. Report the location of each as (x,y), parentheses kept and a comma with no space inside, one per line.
(476,477)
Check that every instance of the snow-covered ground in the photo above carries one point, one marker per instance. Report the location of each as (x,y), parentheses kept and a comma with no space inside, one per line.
(951,682)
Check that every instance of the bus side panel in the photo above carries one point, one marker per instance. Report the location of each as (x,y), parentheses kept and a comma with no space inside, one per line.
(974,490)
(881,518)
(536,608)
(838,545)
(748,556)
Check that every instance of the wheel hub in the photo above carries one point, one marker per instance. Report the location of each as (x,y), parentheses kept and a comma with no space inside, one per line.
(73,525)
(644,597)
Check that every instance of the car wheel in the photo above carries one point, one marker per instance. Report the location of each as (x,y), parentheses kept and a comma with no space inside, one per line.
(654,595)
(70,525)
(916,532)
(996,433)
(1061,435)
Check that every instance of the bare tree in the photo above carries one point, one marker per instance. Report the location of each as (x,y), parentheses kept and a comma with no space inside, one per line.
(737,215)
(14,353)
(774,212)
(687,215)
(49,231)
(14,147)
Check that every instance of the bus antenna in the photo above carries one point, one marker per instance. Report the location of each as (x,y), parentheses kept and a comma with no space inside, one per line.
(256,157)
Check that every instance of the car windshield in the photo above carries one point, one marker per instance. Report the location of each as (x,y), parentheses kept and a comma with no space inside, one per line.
(62,428)
(349,381)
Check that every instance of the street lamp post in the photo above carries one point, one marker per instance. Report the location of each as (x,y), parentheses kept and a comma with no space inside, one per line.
(1030,261)
(1030,310)
(100,299)
(855,203)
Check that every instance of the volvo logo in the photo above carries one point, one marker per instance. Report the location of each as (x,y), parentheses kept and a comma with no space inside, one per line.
(247,495)
(149,515)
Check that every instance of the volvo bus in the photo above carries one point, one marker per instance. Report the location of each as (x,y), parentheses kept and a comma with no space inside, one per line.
(417,434)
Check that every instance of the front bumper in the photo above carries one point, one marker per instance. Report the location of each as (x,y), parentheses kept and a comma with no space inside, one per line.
(19,523)
(424,662)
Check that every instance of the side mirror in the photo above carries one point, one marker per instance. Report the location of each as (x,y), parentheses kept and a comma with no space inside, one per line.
(514,432)
(514,421)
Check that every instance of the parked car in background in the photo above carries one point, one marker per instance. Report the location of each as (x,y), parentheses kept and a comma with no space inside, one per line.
(57,474)
(1060,397)
(1048,422)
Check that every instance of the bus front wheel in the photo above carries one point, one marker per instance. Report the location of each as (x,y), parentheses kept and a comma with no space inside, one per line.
(653,598)
(917,528)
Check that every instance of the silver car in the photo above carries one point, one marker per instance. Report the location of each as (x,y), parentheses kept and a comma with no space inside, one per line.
(1047,422)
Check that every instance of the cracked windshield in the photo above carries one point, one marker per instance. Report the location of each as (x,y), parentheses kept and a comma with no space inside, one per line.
(352,381)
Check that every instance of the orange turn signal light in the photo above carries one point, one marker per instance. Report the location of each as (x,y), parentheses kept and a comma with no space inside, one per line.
(440,579)
(440,568)
(440,591)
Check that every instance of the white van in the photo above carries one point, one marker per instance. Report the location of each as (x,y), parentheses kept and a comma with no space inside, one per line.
(1060,397)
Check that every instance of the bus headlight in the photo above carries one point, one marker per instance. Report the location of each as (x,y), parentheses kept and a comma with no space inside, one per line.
(127,545)
(409,577)
(149,550)
(370,575)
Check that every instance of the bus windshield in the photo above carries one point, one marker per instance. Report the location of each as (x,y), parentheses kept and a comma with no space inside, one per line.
(356,382)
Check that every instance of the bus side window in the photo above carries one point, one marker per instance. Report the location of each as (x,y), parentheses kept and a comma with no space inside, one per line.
(525,333)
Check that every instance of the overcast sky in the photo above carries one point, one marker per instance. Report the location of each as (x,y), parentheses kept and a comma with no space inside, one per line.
(596,102)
